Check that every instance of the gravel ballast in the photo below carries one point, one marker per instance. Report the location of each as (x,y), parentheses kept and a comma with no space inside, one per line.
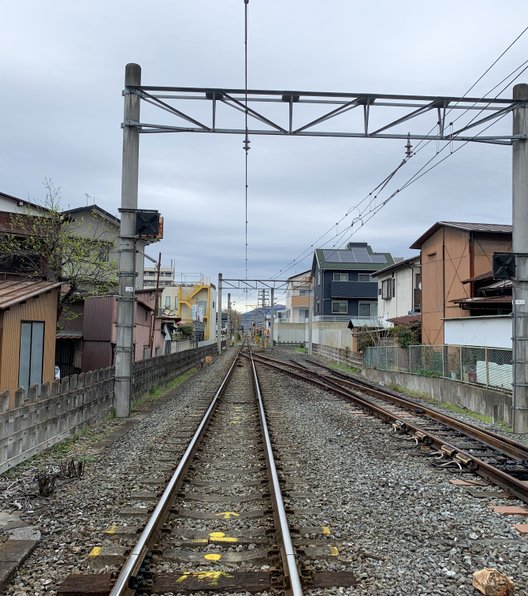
(399,523)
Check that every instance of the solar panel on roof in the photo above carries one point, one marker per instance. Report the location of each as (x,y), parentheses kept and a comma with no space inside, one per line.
(378,259)
(354,255)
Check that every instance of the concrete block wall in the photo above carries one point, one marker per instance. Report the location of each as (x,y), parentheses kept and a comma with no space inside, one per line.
(289,333)
(162,369)
(54,411)
(492,403)
(340,355)
(51,412)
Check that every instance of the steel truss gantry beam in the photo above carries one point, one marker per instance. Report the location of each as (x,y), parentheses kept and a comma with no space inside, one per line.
(260,284)
(477,116)
(297,110)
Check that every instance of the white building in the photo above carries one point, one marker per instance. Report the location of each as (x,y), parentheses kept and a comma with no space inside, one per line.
(166,277)
(399,290)
(10,204)
(297,298)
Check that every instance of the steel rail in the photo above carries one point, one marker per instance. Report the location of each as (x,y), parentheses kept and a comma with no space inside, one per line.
(289,557)
(508,446)
(502,479)
(135,559)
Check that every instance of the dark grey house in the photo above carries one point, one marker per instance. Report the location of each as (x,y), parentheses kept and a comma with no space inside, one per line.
(343,287)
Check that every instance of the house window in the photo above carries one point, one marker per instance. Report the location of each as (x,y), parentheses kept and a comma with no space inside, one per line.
(31,353)
(339,307)
(318,278)
(367,310)
(304,313)
(364,277)
(340,277)
(167,301)
(388,288)
(304,292)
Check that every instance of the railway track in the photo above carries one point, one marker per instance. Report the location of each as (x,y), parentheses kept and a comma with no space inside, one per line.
(221,523)
(498,459)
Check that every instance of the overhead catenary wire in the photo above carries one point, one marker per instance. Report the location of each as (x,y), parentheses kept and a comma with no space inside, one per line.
(420,173)
(369,215)
(473,85)
(246,137)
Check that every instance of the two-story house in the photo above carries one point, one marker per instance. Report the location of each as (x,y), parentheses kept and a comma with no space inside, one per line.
(399,293)
(344,289)
(297,298)
(455,257)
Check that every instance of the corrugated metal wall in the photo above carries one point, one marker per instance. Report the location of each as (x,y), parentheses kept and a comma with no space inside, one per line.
(99,318)
(41,308)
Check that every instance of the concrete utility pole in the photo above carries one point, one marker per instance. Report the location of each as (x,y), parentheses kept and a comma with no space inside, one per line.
(219,316)
(229,315)
(272,307)
(127,247)
(520,248)
(310,315)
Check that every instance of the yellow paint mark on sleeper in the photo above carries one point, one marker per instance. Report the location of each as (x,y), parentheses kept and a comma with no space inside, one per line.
(212,557)
(112,529)
(227,514)
(325,530)
(211,577)
(235,420)
(221,537)
(95,552)
(334,551)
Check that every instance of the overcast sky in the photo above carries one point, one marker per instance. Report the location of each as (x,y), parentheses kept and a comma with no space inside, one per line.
(62,73)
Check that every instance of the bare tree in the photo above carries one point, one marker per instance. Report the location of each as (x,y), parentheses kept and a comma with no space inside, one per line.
(48,246)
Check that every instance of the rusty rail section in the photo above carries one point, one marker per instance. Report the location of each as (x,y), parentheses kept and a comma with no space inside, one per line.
(356,391)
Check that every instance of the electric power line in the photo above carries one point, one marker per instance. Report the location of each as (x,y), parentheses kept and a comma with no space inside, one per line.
(515,74)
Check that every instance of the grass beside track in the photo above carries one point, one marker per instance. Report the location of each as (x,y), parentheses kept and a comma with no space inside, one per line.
(346,368)
(156,392)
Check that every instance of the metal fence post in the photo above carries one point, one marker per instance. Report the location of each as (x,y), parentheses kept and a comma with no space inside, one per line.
(486,360)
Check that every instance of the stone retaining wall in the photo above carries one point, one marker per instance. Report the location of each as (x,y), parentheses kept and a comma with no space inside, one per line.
(52,412)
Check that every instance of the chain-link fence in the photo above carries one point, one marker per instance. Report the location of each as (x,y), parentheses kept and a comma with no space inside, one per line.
(485,366)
